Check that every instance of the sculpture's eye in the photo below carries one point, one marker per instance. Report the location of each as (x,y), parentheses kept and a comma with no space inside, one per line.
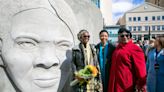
(26,43)
(64,45)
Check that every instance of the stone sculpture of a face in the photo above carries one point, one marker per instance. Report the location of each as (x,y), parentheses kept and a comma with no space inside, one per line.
(35,50)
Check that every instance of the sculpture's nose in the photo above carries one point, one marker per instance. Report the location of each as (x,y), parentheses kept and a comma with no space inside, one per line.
(48,57)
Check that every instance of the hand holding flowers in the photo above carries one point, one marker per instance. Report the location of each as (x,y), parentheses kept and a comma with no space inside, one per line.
(85,75)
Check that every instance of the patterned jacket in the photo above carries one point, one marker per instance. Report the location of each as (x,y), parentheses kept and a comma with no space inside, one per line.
(78,63)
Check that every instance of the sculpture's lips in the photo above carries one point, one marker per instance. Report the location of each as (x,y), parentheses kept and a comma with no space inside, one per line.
(45,82)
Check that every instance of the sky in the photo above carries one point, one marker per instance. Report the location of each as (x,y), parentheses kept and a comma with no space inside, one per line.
(119,7)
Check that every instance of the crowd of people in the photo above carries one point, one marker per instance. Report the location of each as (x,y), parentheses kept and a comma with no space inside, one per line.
(125,67)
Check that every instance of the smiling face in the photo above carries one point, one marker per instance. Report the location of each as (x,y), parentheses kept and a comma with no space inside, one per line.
(35,49)
(104,37)
(85,37)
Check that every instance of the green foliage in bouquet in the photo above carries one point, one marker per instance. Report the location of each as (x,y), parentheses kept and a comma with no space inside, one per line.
(84,75)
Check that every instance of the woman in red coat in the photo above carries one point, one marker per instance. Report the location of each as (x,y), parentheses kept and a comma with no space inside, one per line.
(128,69)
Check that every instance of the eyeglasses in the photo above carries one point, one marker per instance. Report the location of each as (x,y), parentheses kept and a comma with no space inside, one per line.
(122,35)
(86,36)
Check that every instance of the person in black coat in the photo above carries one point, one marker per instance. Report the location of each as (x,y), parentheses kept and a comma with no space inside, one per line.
(85,54)
(104,51)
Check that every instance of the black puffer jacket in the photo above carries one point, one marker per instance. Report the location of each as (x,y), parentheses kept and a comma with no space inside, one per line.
(78,57)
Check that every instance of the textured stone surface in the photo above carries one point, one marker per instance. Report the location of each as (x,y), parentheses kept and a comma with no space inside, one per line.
(5,85)
(88,17)
(37,37)
(74,15)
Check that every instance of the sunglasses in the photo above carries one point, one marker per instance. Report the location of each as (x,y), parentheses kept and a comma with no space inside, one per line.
(86,36)
(122,35)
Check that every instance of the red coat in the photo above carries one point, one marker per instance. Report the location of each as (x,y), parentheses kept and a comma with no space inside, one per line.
(128,68)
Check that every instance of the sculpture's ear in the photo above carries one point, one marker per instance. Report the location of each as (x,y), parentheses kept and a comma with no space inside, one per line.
(1,62)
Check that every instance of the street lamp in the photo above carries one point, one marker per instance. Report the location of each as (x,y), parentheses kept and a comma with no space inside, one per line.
(149,34)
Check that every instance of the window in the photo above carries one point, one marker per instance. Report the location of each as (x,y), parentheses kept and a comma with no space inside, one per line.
(153,36)
(130,28)
(146,18)
(139,28)
(134,18)
(134,36)
(162,17)
(163,27)
(139,37)
(146,37)
(158,18)
(130,19)
(146,28)
(153,18)
(96,2)
(158,28)
(134,28)
(139,18)
(153,28)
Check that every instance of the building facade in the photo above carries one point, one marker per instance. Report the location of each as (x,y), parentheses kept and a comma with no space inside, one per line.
(113,32)
(157,2)
(145,22)
(105,7)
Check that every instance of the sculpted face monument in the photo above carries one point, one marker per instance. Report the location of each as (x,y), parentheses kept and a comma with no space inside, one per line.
(34,46)
(36,38)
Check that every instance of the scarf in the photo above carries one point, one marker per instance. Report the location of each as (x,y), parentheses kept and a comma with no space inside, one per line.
(88,57)
(102,55)
(88,60)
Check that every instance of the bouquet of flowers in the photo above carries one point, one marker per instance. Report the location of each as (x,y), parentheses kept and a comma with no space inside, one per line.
(84,75)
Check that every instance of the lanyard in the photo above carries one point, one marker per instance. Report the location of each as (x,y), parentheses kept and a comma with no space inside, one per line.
(156,65)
